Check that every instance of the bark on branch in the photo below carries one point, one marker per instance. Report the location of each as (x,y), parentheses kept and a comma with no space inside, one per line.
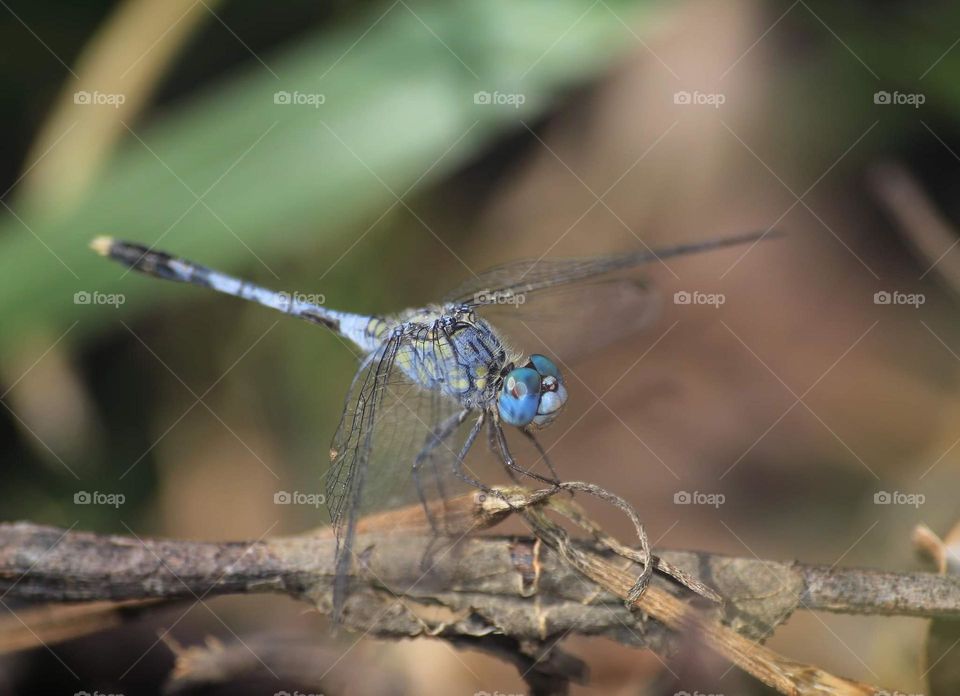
(478,588)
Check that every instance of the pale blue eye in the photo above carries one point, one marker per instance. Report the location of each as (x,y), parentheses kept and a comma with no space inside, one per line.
(544,365)
(520,396)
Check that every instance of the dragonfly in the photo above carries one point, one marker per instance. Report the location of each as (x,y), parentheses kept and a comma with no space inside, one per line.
(430,379)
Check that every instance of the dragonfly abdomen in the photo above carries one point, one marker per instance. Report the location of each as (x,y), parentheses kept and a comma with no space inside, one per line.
(152,262)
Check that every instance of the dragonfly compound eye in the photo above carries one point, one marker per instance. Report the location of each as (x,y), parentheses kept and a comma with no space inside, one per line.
(553,394)
(544,365)
(519,398)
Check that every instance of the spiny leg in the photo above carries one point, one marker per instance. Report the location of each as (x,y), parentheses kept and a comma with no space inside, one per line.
(494,443)
(458,463)
(509,462)
(543,454)
(437,437)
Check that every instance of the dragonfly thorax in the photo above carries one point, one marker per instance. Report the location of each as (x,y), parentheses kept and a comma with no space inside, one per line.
(453,352)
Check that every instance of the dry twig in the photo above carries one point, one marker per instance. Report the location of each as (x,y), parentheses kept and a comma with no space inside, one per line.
(497,593)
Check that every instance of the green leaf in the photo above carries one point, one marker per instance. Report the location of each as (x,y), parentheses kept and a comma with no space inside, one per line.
(398,103)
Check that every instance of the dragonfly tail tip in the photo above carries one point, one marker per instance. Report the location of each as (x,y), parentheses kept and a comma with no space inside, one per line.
(102,245)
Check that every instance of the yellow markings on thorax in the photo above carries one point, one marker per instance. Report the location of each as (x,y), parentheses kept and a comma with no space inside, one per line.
(377,327)
(430,361)
(480,379)
(428,358)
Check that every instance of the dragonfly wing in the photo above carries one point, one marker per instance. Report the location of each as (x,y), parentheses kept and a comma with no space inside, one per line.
(577,319)
(513,281)
(499,284)
(350,458)
(408,417)
(573,307)
(387,421)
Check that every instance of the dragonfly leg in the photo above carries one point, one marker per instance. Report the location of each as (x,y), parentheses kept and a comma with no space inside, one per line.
(458,463)
(511,464)
(498,452)
(543,455)
(436,438)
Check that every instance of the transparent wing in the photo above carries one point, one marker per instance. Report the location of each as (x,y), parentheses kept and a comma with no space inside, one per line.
(353,441)
(388,420)
(576,319)
(408,418)
(523,278)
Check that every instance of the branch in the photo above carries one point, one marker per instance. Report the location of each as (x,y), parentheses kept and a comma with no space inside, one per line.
(530,590)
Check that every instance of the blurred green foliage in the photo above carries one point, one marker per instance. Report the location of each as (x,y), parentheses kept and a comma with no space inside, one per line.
(295,196)
(276,177)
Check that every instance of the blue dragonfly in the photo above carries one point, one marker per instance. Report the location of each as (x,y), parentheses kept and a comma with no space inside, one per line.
(430,379)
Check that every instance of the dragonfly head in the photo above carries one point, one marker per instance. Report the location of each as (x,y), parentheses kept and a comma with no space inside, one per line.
(533,394)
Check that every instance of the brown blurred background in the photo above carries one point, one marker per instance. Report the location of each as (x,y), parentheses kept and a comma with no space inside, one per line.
(802,399)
